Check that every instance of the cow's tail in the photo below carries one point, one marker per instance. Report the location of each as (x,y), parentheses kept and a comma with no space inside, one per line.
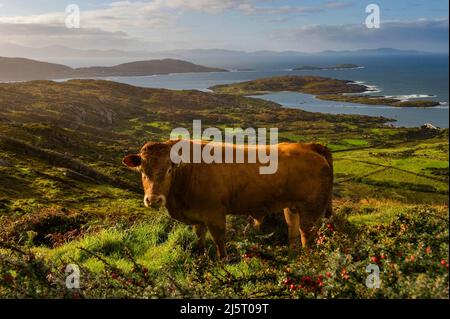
(326,153)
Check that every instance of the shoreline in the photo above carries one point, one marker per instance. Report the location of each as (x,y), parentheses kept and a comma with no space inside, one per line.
(325,89)
(328,107)
(397,117)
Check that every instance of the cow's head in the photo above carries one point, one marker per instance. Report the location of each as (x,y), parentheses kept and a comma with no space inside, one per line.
(156,167)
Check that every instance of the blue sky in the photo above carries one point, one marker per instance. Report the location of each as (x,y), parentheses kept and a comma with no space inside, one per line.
(303,25)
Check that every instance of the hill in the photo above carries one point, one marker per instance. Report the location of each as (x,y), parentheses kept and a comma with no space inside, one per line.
(58,51)
(378,51)
(141,68)
(334,67)
(86,126)
(304,84)
(20,69)
(66,198)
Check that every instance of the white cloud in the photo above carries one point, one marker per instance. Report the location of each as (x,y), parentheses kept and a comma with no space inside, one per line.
(133,24)
(250,8)
(153,25)
(122,15)
(427,35)
(124,25)
(38,35)
(117,16)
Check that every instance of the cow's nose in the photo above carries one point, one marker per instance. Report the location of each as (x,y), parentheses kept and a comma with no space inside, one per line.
(157,201)
(147,201)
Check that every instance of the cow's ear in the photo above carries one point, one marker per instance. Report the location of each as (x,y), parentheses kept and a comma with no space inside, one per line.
(132,160)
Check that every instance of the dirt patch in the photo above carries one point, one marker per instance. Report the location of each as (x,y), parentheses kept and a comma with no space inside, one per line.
(48,227)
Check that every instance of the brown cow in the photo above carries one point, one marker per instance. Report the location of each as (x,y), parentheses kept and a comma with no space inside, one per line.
(201,194)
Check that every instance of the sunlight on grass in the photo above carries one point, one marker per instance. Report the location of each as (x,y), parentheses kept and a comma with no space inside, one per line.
(154,243)
(372,219)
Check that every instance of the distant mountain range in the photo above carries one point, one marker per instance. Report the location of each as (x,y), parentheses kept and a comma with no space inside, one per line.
(21,69)
(122,63)
(379,51)
(333,67)
(57,51)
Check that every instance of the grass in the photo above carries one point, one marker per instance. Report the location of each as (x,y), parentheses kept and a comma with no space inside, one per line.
(355,142)
(262,267)
(101,225)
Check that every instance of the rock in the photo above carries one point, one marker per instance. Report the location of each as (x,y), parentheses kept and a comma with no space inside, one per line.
(5,163)
(429,126)
(109,117)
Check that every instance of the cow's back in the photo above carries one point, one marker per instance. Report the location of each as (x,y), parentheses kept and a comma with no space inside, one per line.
(303,176)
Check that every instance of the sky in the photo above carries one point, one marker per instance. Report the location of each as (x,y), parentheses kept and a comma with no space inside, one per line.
(248,25)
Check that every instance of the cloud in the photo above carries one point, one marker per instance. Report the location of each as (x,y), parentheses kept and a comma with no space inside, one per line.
(124,25)
(38,35)
(117,16)
(251,9)
(122,15)
(135,24)
(427,35)
(208,6)
(155,24)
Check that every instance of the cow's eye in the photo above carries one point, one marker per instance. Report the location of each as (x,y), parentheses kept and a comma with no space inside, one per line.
(169,171)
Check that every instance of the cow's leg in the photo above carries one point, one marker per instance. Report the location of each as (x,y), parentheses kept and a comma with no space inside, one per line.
(257,222)
(292,221)
(217,230)
(306,235)
(308,219)
(200,231)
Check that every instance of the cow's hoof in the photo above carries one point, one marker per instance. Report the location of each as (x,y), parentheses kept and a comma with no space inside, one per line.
(199,250)
(293,252)
(224,259)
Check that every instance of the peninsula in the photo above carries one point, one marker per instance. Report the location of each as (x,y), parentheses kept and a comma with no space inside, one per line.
(322,87)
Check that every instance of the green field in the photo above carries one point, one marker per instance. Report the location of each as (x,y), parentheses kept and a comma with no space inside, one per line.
(66,198)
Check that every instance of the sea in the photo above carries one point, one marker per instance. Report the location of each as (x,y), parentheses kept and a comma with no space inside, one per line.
(416,76)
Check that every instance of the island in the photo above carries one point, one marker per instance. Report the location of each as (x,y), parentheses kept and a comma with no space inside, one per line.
(334,67)
(322,87)
(21,69)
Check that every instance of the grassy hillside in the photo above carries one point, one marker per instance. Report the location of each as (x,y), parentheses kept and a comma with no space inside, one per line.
(66,198)
(20,69)
(324,88)
(305,84)
(140,68)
